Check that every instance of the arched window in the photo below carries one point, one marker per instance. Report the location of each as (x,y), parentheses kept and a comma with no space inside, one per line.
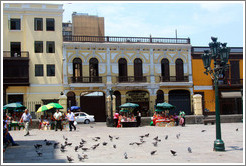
(71,99)
(77,67)
(138,69)
(159,96)
(122,63)
(118,99)
(93,67)
(165,70)
(179,70)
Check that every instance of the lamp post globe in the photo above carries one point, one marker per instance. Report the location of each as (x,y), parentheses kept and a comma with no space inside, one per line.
(220,57)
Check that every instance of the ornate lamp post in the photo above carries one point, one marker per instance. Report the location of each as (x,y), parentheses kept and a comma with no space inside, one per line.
(111,107)
(220,55)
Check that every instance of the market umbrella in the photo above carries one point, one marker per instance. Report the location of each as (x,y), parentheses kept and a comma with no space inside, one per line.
(44,108)
(13,106)
(159,110)
(74,108)
(165,106)
(124,110)
(55,105)
(129,105)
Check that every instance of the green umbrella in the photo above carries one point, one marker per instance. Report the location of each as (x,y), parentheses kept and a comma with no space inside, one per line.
(44,108)
(124,110)
(129,105)
(165,106)
(13,106)
(159,110)
(55,105)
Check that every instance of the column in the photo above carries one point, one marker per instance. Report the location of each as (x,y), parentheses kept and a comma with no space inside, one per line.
(152,76)
(109,80)
(197,102)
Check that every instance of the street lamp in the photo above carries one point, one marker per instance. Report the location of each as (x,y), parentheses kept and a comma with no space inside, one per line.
(220,55)
(111,107)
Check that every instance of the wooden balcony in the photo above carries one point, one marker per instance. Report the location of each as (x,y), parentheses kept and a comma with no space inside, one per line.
(230,83)
(16,68)
(174,79)
(115,39)
(131,79)
(86,79)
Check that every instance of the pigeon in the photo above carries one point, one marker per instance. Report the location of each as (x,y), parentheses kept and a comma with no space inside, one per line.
(114,146)
(37,146)
(189,150)
(94,139)
(141,136)
(177,135)
(48,143)
(45,140)
(81,145)
(85,156)
(173,152)
(69,144)
(64,138)
(203,130)
(85,149)
(125,154)
(153,152)
(146,135)
(91,126)
(97,137)
(70,159)
(138,143)
(116,137)
(141,140)
(63,146)
(76,148)
(166,137)
(80,158)
(237,129)
(132,143)
(156,138)
(110,137)
(55,144)
(39,153)
(62,150)
(155,143)
(94,147)
(83,141)
(105,143)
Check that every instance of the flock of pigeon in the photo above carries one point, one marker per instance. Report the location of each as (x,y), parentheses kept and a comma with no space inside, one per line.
(83,156)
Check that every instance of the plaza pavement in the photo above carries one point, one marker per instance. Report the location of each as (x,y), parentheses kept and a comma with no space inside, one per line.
(201,144)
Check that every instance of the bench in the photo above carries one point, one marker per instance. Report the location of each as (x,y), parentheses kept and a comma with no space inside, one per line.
(206,121)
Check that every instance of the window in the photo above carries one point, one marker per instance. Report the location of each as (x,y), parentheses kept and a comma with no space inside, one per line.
(39,70)
(15,48)
(50,24)
(38,46)
(15,24)
(50,70)
(50,47)
(38,24)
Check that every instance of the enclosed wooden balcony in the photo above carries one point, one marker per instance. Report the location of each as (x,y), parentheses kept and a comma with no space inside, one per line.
(86,79)
(131,79)
(174,79)
(16,68)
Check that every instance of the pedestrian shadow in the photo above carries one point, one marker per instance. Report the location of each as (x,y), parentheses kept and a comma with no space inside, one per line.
(26,153)
(233,148)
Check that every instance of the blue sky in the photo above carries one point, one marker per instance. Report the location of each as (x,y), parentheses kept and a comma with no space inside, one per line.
(198,21)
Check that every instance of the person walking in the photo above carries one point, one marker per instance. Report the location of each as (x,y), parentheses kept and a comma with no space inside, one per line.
(58,116)
(71,118)
(138,119)
(27,119)
(182,116)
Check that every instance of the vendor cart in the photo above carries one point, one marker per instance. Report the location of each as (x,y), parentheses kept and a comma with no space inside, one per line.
(127,117)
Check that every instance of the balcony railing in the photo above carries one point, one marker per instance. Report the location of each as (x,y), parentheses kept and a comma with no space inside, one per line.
(15,54)
(174,79)
(230,82)
(86,79)
(24,81)
(115,39)
(129,79)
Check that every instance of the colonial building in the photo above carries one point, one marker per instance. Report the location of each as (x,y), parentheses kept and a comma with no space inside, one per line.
(230,85)
(139,70)
(32,53)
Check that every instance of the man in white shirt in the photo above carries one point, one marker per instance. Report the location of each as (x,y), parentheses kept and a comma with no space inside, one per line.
(58,117)
(71,119)
(26,118)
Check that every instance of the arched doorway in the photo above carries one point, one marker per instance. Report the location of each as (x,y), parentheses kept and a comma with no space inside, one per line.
(71,101)
(165,70)
(159,97)
(141,98)
(181,100)
(122,63)
(179,70)
(138,70)
(118,99)
(93,103)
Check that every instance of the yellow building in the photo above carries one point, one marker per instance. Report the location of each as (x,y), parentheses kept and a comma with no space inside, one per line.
(32,53)
(230,87)
(145,71)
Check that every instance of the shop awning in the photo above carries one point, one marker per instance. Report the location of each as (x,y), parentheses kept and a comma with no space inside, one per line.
(231,94)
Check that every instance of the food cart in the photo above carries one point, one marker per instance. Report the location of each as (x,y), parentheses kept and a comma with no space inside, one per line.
(161,117)
(127,118)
